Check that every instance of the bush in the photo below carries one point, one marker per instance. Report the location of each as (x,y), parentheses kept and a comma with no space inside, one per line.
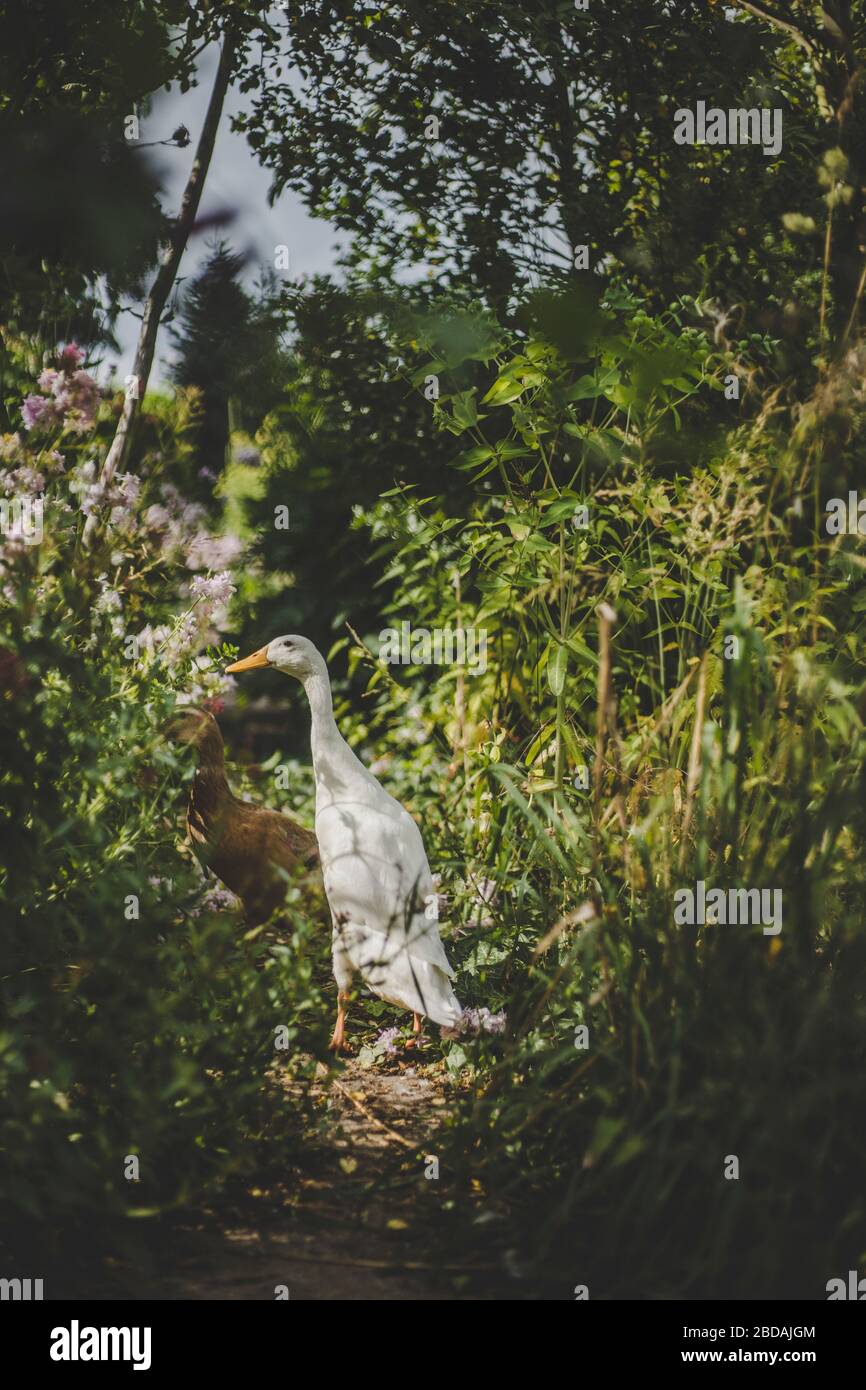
(671,695)
(136,1019)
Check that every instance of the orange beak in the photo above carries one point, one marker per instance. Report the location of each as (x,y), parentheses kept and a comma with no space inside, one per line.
(259,658)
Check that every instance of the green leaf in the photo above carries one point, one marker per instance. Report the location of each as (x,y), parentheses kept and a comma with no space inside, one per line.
(504,390)
(556,670)
(587,388)
(465,408)
(474,458)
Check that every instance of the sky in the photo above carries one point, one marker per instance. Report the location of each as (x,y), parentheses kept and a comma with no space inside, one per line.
(237,181)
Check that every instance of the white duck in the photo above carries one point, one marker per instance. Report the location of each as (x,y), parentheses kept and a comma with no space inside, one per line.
(377,878)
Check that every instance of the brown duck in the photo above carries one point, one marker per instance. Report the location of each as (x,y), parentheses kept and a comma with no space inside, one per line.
(246,846)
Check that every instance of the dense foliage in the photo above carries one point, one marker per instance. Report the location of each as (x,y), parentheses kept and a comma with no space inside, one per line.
(137,1018)
(616,477)
(705,1042)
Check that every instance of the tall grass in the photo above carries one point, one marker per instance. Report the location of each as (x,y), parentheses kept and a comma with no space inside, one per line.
(712,683)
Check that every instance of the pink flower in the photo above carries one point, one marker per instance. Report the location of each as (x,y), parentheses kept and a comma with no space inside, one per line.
(71,356)
(185,635)
(37,410)
(476,1021)
(73,397)
(212,690)
(214,900)
(213,552)
(216,588)
(90,498)
(157,516)
(151,639)
(24,480)
(386,1040)
(80,401)
(85,384)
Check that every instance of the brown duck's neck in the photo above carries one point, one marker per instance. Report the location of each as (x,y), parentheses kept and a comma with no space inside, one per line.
(210,789)
(207,810)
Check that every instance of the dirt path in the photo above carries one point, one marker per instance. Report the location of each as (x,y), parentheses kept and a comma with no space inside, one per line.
(350,1225)
(358,1220)
(358,1213)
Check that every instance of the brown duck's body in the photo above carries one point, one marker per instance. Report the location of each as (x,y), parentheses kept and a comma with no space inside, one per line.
(250,849)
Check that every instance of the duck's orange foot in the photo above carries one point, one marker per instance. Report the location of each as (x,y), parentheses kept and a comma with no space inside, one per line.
(417,1039)
(339,1045)
(338,1038)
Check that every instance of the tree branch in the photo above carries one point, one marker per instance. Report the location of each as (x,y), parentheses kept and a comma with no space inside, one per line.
(169,262)
(779,23)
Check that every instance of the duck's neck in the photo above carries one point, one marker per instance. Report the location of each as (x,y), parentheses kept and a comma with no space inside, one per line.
(209,798)
(210,781)
(327,744)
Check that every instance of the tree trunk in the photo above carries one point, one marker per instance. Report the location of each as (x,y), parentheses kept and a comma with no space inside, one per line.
(169,263)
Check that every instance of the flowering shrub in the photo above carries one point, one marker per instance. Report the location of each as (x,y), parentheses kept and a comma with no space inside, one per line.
(67,395)
(135,1019)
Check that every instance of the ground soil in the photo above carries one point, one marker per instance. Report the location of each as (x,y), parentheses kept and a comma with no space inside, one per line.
(353,1218)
